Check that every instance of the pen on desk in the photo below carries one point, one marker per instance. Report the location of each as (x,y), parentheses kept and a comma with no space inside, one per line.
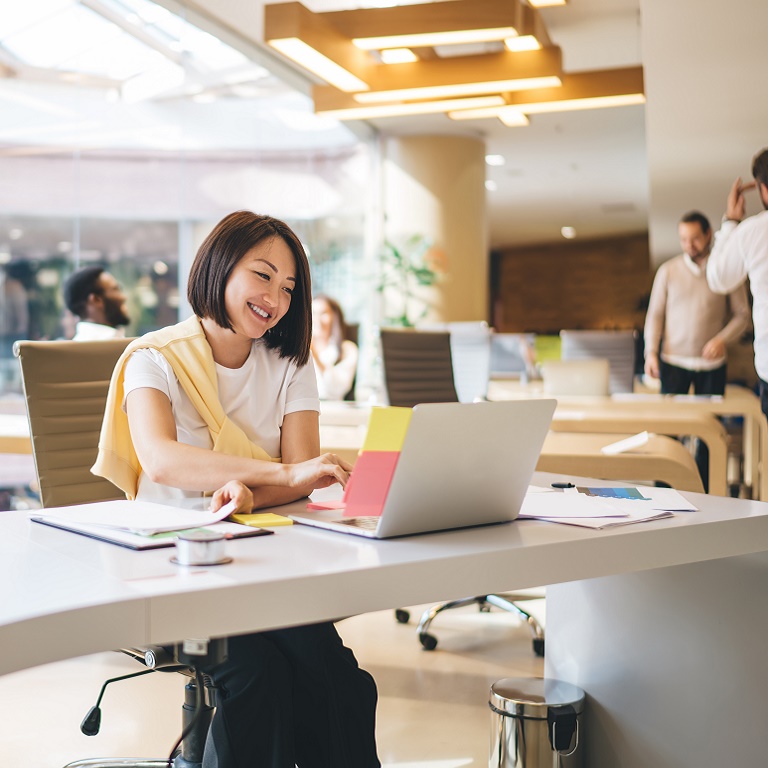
(563,485)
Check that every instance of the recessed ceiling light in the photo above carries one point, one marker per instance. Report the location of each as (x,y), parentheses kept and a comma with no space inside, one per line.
(495,160)
(491,185)
(568,232)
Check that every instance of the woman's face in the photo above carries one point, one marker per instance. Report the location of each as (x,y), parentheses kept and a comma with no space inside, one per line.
(322,318)
(258,292)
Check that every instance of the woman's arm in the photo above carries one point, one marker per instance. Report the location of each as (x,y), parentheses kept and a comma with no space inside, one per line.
(169,462)
(299,442)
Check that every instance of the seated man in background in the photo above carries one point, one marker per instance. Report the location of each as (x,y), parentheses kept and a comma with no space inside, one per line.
(96,298)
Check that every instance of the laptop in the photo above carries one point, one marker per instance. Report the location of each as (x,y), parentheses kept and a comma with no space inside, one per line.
(461,465)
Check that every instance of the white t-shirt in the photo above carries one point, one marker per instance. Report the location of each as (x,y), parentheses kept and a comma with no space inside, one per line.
(256,397)
(85,330)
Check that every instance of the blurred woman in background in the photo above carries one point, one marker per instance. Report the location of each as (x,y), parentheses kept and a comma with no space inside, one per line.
(334,355)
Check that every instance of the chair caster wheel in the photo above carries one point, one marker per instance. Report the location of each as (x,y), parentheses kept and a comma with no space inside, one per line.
(402,616)
(428,642)
(538,646)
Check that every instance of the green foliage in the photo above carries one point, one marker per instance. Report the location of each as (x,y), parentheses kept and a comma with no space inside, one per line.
(403,270)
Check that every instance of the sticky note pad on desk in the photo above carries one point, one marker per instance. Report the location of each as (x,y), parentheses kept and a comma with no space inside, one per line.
(260,519)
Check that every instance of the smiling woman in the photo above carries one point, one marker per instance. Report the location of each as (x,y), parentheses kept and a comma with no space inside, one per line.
(228,395)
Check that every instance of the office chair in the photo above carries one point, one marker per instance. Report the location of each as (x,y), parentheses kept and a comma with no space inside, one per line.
(352,333)
(470,357)
(589,378)
(418,368)
(617,347)
(65,386)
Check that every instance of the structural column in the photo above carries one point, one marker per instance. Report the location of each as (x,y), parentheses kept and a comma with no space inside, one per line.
(434,188)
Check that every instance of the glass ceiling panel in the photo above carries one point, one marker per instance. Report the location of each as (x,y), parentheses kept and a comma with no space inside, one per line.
(68,35)
(57,40)
(15,16)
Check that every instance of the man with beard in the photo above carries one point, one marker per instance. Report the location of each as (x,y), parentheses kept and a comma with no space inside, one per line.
(94,296)
(688,326)
(741,252)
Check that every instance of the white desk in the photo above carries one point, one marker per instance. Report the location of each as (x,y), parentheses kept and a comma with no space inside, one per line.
(663,624)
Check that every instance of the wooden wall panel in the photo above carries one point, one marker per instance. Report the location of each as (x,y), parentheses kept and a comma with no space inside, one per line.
(579,284)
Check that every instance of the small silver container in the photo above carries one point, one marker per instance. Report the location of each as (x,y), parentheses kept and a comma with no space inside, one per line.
(536,724)
(198,547)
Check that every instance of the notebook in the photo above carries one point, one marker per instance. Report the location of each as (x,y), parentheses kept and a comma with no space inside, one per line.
(461,465)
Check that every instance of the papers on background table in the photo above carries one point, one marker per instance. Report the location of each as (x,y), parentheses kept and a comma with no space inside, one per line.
(598,507)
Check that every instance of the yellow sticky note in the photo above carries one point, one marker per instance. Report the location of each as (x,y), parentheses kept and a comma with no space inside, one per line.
(386,429)
(260,519)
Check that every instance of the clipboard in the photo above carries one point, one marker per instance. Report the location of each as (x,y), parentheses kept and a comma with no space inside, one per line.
(138,543)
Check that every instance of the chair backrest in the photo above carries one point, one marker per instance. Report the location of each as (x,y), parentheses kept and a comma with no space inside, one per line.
(576,377)
(507,354)
(352,333)
(418,367)
(65,387)
(617,347)
(470,356)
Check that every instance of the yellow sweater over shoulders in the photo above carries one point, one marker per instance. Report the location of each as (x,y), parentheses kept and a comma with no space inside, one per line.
(187,351)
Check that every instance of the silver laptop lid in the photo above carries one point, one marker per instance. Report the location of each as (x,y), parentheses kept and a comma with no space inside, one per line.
(464,464)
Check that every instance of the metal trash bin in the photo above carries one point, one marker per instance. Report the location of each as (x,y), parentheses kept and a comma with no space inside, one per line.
(536,724)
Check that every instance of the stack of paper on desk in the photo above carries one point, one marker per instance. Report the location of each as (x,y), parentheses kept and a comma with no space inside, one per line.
(138,524)
(593,507)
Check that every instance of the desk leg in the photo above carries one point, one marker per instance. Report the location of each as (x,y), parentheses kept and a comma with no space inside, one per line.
(718,467)
(672,661)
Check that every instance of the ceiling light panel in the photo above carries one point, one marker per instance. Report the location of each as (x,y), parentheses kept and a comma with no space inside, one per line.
(398,56)
(354,111)
(432,39)
(456,89)
(320,65)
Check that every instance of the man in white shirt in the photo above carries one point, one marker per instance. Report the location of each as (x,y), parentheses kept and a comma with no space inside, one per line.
(741,252)
(94,296)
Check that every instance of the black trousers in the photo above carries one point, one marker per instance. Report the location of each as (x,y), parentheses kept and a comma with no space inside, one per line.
(677,381)
(292,697)
(763,390)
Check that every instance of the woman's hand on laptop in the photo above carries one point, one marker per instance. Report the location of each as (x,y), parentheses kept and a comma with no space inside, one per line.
(321,472)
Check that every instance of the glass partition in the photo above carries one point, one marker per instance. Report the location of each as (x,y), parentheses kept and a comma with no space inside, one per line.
(127,132)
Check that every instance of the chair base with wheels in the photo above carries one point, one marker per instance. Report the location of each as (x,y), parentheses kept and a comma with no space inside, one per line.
(484,602)
(197,710)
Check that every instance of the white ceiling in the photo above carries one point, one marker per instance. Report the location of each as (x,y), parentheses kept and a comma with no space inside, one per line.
(602,172)
(583,169)
(626,169)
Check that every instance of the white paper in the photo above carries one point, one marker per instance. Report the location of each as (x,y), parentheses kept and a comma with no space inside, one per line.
(562,505)
(610,522)
(621,446)
(572,507)
(139,517)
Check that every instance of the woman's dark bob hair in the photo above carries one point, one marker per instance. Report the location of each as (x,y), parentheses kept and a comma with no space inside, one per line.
(228,242)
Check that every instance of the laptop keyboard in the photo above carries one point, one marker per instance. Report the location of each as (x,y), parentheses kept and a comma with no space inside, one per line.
(368,522)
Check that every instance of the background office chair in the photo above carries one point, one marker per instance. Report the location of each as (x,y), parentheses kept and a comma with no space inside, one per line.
(418,368)
(65,388)
(617,347)
(576,377)
(470,357)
